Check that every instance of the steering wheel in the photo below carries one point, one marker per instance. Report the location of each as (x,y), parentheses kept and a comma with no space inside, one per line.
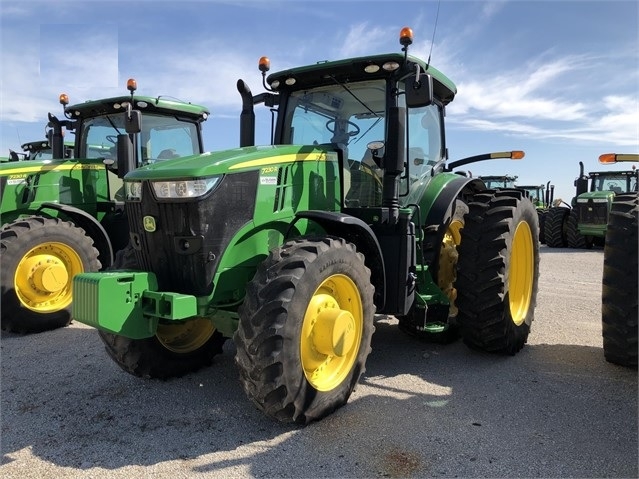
(112,138)
(348,123)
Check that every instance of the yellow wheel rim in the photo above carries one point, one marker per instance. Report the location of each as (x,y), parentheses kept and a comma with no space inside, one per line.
(43,277)
(186,337)
(331,332)
(521,273)
(448,256)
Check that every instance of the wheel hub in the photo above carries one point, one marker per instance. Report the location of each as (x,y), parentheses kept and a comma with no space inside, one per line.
(334,332)
(47,273)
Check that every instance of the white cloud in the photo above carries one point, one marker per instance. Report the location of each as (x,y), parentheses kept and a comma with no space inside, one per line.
(363,39)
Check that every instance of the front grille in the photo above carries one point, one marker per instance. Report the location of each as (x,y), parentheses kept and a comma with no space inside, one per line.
(191,236)
(593,213)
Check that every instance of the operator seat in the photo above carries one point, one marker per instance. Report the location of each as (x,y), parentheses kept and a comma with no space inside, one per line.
(168,154)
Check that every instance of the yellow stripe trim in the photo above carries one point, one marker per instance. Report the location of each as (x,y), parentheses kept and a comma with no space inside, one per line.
(280,159)
(41,169)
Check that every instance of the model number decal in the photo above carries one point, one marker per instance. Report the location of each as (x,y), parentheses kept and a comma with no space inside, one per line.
(16,179)
(268,180)
(269,169)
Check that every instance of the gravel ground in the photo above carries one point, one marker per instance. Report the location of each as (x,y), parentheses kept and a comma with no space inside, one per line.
(557,409)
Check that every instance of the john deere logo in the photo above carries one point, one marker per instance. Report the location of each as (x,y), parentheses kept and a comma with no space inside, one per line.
(149,223)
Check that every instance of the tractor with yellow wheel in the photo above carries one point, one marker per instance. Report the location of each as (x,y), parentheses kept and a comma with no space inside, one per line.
(291,249)
(62,212)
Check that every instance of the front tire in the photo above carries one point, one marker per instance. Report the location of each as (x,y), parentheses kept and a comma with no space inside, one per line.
(619,285)
(305,329)
(498,272)
(178,348)
(39,258)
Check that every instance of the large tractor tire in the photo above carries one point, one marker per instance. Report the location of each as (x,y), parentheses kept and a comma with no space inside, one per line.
(573,237)
(39,258)
(176,349)
(541,216)
(555,227)
(498,272)
(305,329)
(619,290)
(439,250)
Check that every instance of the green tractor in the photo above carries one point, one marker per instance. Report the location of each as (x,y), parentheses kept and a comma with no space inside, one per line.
(542,197)
(63,216)
(39,150)
(584,222)
(292,248)
(498,181)
(619,286)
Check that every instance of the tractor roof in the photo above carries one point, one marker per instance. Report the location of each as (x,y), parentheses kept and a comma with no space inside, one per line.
(352,69)
(144,103)
(35,145)
(593,174)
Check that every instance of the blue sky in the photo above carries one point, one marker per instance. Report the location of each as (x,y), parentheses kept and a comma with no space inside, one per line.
(558,79)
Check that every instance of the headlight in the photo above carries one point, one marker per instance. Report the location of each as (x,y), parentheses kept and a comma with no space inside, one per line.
(133,190)
(184,188)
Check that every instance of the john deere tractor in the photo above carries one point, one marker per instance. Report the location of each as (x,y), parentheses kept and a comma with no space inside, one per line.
(584,222)
(542,197)
(499,181)
(619,312)
(62,216)
(292,248)
(39,150)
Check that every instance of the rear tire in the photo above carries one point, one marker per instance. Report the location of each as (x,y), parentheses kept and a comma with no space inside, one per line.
(573,237)
(305,329)
(498,272)
(176,349)
(619,285)
(541,215)
(439,250)
(39,258)
(555,227)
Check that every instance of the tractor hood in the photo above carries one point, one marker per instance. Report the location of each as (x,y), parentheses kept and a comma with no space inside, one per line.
(228,161)
(596,196)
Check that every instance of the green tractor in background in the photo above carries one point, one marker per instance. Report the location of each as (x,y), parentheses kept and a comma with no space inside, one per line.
(39,150)
(584,222)
(63,216)
(620,273)
(293,248)
(498,181)
(542,197)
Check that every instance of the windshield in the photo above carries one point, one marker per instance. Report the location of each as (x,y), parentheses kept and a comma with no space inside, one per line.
(534,193)
(161,138)
(616,183)
(351,116)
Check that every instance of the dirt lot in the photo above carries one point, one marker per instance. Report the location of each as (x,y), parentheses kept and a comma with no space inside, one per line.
(557,409)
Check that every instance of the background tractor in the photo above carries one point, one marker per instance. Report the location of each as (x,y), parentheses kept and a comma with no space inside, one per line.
(39,150)
(584,222)
(292,248)
(63,216)
(542,197)
(619,290)
(498,181)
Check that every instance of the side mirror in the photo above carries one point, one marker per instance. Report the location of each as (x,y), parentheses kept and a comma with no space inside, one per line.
(133,122)
(419,91)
